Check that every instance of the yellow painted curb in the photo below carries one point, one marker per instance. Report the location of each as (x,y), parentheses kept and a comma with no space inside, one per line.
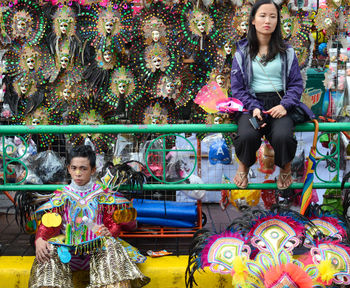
(165,272)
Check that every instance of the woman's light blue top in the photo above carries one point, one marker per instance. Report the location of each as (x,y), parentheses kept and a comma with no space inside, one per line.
(273,69)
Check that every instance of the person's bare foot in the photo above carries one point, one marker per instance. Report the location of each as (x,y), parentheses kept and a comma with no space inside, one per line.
(285,178)
(241,177)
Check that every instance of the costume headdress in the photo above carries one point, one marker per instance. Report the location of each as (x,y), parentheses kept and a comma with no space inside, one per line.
(156,57)
(25,22)
(257,250)
(150,26)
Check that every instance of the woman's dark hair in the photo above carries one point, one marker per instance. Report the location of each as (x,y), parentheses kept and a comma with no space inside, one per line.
(276,45)
(83,151)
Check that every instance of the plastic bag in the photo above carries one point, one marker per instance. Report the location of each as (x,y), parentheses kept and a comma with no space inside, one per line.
(154,159)
(122,150)
(48,166)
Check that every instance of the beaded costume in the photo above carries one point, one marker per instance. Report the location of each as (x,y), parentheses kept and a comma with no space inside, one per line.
(63,225)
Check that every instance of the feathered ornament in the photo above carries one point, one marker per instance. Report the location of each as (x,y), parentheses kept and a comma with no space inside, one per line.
(25,92)
(4,38)
(325,21)
(25,22)
(123,86)
(113,175)
(109,26)
(153,111)
(296,28)
(92,112)
(40,116)
(287,275)
(66,65)
(156,60)
(65,95)
(196,30)
(98,72)
(64,29)
(33,61)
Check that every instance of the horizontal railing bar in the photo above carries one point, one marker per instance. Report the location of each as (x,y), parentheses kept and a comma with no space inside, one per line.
(269,186)
(169,128)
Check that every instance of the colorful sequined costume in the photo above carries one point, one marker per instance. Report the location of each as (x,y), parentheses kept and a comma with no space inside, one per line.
(72,241)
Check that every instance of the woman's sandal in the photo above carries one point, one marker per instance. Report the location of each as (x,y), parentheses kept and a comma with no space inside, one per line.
(282,179)
(243,179)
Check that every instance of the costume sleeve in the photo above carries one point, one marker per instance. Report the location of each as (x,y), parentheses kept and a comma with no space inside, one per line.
(47,232)
(294,86)
(238,86)
(113,227)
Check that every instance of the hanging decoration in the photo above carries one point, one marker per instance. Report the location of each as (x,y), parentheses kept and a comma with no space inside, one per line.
(4,37)
(92,112)
(25,22)
(110,26)
(98,72)
(26,92)
(196,31)
(32,61)
(123,86)
(39,116)
(64,29)
(325,21)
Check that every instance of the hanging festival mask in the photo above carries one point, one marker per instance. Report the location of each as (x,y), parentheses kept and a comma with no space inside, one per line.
(325,21)
(25,22)
(64,23)
(154,31)
(39,116)
(107,26)
(169,87)
(122,84)
(92,112)
(157,58)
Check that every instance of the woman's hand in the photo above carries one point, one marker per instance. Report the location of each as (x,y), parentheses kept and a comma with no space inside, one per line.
(257,113)
(103,231)
(277,112)
(42,251)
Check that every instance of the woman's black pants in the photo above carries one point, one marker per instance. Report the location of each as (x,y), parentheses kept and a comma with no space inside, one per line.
(279,132)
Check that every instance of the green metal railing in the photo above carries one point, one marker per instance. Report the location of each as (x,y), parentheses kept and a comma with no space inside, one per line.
(13,130)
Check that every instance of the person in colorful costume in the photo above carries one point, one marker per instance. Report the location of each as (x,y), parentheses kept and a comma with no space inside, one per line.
(78,227)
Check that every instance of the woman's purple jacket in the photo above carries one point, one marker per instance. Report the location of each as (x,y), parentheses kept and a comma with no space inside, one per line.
(242,74)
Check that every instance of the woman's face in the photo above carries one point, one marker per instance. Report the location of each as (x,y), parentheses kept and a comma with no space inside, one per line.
(265,19)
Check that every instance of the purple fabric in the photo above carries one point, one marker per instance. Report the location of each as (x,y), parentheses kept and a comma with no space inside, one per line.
(241,77)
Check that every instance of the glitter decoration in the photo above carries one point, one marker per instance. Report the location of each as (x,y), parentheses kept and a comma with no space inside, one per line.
(124,85)
(4,37)
(325,21)
(34,61)
(64,30)
(25,22)
(98,71)
(108,26)
(196,30)
(92,112)
(40,116)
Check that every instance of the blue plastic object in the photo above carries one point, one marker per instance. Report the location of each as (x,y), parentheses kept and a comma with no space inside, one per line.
(63,254)
(219,153)
(166,209)
(165,222)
